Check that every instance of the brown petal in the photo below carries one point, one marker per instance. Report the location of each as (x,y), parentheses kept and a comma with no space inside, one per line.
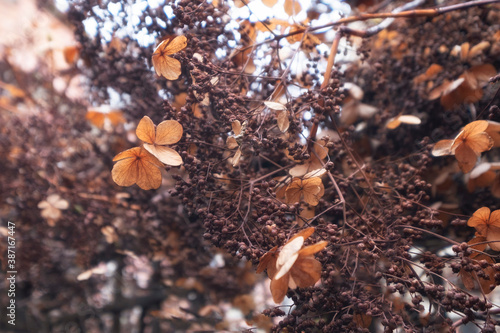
(442,148)
(168,132)
(172,45)
(279,288)
(393,123)
(480,216)
(294,191)
(268,259)
(306,271)
(494,219)
(493,235)
(464,51)
(167,67)
(304,234)
(477,49)
(137,166)
(231,142)
(480,142)
(236,127)
(292,7)
(481,247)
(312,249)
(466,158)
(475,127)
(164,154)
(146,131)
(483,73)
(467,279)
(235,160)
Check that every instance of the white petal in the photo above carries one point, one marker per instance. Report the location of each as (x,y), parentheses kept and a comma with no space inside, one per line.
(286,267)
(288,255)
(410,120)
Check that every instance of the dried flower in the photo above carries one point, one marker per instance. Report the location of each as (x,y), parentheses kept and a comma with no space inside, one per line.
(292,266)
(52,206)
(467,146)
(487,225)
(157,137)
(310,190)
(169,67)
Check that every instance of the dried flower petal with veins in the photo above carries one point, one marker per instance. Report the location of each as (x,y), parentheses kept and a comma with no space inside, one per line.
(292,266)
(156,138)
(467,146)
(310,190)
(487,225)
(165,66)
(137,166)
